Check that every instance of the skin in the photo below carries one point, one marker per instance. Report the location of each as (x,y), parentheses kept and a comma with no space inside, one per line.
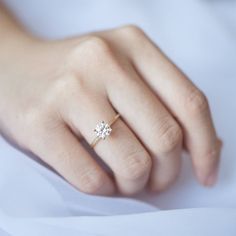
(53,93)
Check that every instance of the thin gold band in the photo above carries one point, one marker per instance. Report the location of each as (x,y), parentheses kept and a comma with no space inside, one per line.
(96,139)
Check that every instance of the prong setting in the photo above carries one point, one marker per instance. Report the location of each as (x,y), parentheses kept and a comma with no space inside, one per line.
(102,130)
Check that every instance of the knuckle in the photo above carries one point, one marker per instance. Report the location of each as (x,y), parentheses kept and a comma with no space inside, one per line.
(96,45)
(170,137)
(132,30)
(91,181)
(137,165)
(196,102)
(94,51)
(135,36)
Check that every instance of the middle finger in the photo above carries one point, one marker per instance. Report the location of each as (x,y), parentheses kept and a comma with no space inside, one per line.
(152,123)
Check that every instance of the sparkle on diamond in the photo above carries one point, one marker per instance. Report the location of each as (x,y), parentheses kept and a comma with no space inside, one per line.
(102,130)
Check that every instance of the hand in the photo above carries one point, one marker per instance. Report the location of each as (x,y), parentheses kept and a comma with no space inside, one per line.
(54,93)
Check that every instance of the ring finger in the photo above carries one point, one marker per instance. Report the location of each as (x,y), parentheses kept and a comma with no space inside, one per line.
(121,151)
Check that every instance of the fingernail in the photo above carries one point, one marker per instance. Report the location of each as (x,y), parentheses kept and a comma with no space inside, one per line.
(211,180)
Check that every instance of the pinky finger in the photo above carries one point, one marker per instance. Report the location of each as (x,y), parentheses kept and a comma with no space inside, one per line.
(68,157)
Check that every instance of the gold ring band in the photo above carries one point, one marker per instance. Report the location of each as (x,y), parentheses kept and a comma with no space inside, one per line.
(103,130)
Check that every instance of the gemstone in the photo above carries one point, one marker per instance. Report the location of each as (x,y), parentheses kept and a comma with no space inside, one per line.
(102,130)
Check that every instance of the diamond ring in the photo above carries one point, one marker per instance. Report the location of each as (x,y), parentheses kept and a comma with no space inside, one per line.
(103,130)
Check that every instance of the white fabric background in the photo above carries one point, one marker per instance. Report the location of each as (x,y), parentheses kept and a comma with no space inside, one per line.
(200,37)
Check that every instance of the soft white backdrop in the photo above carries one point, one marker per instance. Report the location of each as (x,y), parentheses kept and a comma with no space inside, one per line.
(200,37)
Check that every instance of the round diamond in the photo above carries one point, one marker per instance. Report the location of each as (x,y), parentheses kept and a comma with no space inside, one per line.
(102,130)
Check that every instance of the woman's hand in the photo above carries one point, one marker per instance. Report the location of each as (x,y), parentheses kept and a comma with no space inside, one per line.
(52,95)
